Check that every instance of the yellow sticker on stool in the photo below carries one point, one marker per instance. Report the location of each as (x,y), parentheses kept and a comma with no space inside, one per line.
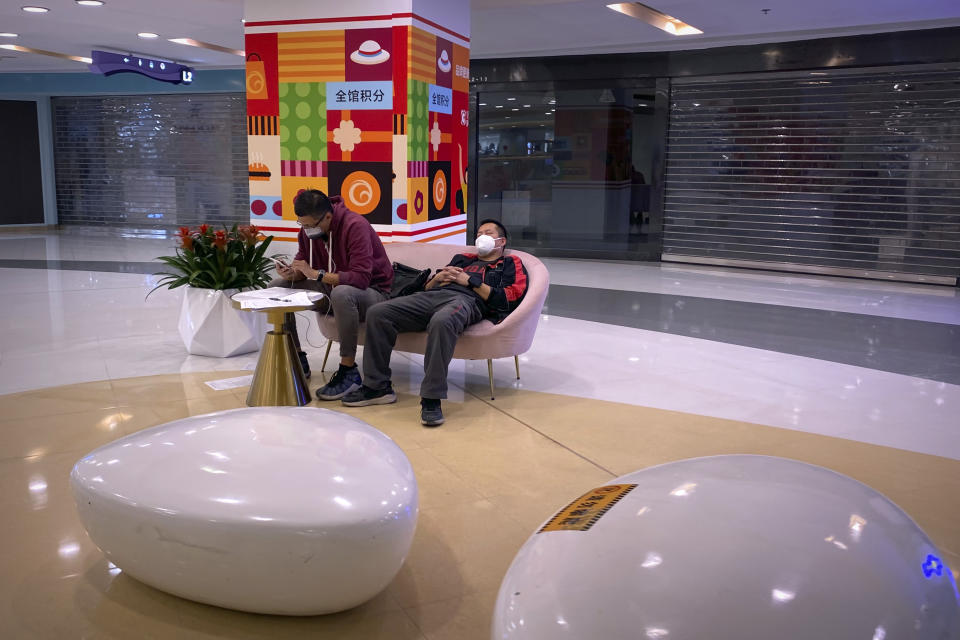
(583,513)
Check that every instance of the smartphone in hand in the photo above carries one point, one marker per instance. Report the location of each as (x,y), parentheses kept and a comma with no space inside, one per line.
(280,264)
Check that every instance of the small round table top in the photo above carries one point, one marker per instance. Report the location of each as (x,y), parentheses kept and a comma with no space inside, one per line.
(283,308)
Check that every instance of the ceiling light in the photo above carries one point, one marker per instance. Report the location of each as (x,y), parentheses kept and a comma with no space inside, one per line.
(90,3)
(190,42)
(654,18)
(8,35)
(499,106)
(514,109)
(35,9)
(147,35)
(511,99)
(482,104)
(526,106)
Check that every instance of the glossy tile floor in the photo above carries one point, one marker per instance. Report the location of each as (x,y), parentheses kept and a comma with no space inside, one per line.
(857,376)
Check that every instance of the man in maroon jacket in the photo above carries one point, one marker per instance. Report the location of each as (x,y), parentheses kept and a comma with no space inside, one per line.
(341,255)
(472,287)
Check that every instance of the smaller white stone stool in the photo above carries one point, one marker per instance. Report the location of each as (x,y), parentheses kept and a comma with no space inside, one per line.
(280,510)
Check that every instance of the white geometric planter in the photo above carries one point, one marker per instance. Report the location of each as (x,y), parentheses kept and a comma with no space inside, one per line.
(210,326)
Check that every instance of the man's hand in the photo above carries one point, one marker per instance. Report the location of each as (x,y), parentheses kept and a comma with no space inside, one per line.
(305,269)
(287,273)
(459,276)
(443,277)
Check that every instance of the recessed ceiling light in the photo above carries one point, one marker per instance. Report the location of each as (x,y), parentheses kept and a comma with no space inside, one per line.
(147,35)
(8,35)
(526,106)
(90,3)
(35,9)
(499,106)
(654,18)
(482,104)
(514,109)
(511,99)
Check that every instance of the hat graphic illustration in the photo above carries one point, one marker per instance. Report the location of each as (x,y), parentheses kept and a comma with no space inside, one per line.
(444,62)
(370,52)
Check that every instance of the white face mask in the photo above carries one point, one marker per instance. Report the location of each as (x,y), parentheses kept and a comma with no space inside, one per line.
(485,244)
(315,232)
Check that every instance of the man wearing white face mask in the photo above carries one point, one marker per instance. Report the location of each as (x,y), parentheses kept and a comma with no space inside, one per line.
(341,255)
(472,287)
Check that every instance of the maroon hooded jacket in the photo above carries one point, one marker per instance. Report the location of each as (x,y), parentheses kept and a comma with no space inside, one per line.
(358,255)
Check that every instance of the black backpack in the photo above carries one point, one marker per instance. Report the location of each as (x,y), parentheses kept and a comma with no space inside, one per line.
(407,280)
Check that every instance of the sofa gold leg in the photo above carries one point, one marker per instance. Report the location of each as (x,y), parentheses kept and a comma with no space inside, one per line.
(516,361)
(490,374)
(326,355)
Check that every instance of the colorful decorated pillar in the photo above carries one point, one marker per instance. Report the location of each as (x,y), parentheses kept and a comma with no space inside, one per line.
(367,100)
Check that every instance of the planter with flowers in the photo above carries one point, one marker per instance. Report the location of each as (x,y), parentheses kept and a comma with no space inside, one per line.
(213,265)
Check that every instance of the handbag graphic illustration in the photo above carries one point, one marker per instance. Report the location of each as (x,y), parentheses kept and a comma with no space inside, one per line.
(256,78)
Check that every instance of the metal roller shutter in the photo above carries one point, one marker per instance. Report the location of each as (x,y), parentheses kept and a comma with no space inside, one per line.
(847,173)
(151,161)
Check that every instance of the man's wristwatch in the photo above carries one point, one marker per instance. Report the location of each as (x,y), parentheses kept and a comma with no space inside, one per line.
(320,274)
(475,280)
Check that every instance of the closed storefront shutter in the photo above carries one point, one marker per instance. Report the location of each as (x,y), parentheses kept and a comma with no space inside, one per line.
(151,161)
(851,173)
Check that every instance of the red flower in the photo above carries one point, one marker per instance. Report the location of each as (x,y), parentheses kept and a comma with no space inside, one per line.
(248,233)
(204,228)
(186,238)
(220,239)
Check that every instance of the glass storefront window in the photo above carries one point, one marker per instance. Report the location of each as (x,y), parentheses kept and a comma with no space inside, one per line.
(568,172)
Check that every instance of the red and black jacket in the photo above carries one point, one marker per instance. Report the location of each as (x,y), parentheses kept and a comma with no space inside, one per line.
(506,276)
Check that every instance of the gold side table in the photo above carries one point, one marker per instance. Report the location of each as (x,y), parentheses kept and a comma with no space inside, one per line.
(278,380)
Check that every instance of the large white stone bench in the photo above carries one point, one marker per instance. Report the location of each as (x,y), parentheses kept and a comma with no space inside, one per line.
(729,547)
(277,510)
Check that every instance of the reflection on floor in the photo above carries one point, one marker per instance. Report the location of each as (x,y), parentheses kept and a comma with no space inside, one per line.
(633,364)
(487,479)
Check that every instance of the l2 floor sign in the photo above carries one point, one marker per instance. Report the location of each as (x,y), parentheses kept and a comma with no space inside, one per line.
(109,63)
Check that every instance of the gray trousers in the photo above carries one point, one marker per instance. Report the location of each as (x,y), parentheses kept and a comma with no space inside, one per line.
(444,314)
(348,304)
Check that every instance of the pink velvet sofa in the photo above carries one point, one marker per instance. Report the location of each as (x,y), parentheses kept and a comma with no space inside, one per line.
(482,341)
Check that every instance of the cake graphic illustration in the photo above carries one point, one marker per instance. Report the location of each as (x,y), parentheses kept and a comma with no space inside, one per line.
(370,52)
(257,169)
(443,62)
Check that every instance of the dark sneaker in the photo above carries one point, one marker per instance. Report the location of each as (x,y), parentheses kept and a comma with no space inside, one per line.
(365,396)
(304,364)
(345,380)
(430,413)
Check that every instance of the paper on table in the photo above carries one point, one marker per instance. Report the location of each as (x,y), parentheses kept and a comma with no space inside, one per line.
(276,297)
(271,292)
